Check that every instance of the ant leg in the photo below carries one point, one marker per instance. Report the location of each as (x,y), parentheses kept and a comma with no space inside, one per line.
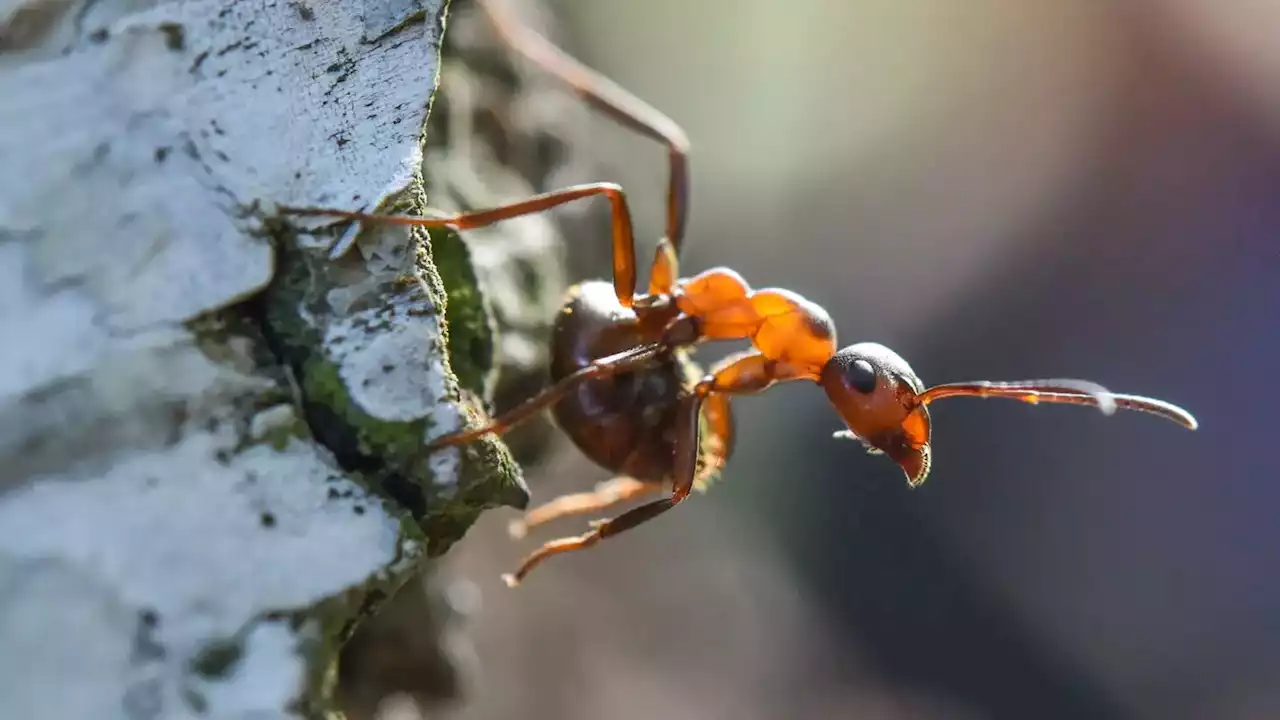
(717,412)
(602,368)
(744,373)
(611,492)
(625,521)
(624,251)
(611,99)
(685,465)
(665,269)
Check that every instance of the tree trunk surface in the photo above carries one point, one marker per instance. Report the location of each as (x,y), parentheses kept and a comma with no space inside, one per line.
(211,427)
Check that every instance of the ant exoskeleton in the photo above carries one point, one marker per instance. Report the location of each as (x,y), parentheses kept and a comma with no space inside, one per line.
(624,388)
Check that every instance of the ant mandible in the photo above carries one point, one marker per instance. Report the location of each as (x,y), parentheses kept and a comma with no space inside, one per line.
(624,388)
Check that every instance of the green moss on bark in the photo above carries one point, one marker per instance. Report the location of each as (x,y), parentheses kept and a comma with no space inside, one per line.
(471,331)
(318,311)
(331,623)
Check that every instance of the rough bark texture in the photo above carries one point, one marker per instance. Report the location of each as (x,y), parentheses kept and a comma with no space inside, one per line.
(211,432)
(498,131)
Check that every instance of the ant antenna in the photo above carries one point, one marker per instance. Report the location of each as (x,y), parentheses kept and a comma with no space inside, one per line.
(1064,391)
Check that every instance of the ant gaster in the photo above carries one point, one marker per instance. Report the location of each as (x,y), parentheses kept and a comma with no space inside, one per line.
(624,388)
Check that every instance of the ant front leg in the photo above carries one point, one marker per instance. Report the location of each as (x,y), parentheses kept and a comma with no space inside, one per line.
(624,250)
(747,373)
(718,413)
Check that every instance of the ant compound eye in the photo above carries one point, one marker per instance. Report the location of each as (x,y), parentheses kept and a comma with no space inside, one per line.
(861,376)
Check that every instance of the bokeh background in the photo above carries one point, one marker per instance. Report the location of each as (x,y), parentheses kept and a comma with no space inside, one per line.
(997,189)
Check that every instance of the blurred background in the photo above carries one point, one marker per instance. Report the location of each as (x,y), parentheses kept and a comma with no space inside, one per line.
(997,189)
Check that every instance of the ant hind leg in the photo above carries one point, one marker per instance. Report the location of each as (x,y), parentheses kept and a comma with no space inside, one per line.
(686,456)
(602,530)
(606,494)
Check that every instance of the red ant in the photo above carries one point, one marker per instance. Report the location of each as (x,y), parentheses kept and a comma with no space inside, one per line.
(624,388)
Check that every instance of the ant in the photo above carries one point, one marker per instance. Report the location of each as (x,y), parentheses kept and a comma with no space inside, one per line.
(624,388)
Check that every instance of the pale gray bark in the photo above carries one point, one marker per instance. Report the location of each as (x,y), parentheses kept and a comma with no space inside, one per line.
(209,433)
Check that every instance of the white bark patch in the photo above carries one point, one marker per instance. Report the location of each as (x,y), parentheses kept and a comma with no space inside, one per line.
(389,360)
(381,356)
(128,159)
(265,681)
(137,140)
(206,547)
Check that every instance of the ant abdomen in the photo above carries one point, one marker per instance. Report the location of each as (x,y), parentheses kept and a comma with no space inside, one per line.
(625,423)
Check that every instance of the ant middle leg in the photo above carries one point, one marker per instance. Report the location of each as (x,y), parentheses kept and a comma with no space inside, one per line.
(609,366)
(611,99)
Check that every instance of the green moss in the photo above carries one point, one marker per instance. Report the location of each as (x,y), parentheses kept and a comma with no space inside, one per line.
(392,441)
(331,623)
(313,301)
(450,521)
(470,326)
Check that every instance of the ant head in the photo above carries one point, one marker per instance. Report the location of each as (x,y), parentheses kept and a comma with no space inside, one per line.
(884,404)
(875,391)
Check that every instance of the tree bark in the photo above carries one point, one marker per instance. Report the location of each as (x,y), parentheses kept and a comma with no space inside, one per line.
(500,130)
(210,429)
